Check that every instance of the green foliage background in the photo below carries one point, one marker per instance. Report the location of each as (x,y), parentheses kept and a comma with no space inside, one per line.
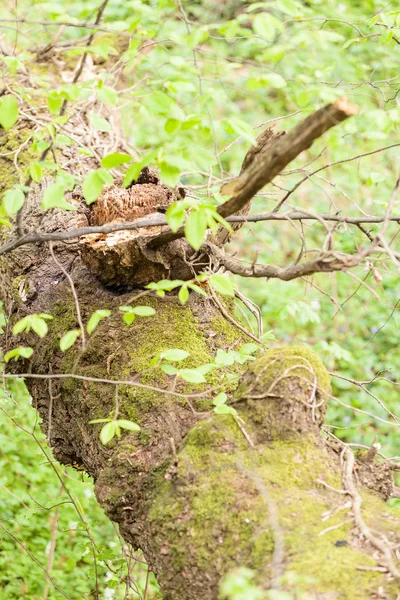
(194,77)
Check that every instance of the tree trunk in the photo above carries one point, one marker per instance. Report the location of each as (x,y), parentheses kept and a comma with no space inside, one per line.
(200,493)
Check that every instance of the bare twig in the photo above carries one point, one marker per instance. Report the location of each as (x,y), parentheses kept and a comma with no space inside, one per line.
(74,294)
(362,526)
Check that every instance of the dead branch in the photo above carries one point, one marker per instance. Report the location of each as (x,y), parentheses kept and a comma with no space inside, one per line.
(325,262)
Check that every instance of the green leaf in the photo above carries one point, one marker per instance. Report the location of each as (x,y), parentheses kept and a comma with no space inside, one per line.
(171,125)
(143,311)
(35,322)
(53,197)
(220,399)
(92,186)
(39,325)
(174,354)
(175,215)
(129,425)
(54,102)
(192,376)
(224,409)
(5,223)
(195,228)
(265,25)
(20,352)
(275,80)
(108,432)
(222,284)
(183,294)
(13,201)
(35,171)
(197,289)
(94,421)
(99,123)
(69,339)
(115,159)
(128,318)
(95,319)
(169,369)
(169,174)
(132,174)
(107,95)
(8,111)
(249,348)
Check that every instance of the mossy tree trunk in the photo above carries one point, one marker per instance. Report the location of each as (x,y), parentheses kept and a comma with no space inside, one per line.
(199,493)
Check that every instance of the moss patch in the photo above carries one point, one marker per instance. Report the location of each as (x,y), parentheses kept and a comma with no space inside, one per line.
(225,493)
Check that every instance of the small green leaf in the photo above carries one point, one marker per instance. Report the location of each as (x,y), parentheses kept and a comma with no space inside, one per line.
(132,174)
(20,352)
(220,399)
(143,311)
(105,176)
(108,432)
(169,369)
(94,421)
(107,95)
(92,186)
(129,425)
(54,102)
(174,354)
(197,289)
(69,339)
(8,111)
(99,123)
(35,322)
(5,223)
(35,171)
(195,228)
(53,197)
(171,125)
(183,294)
(224,409)
(13,201)
(128,318)
(265,25)
(169,174)
(249,348)
(222,284)
(175,215)
(191,376)
(95,319)
(115,159)
(39,325)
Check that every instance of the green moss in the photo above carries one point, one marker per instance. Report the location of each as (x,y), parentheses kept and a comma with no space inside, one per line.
(11,141)
(226,492)
(299,359)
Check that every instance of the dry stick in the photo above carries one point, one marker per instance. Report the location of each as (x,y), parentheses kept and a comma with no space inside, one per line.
(267,165)
(159,220)
(110,381)
(73,290)
(362,526)
(231,319)
(63,108)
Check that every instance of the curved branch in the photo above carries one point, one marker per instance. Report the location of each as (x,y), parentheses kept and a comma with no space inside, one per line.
(324,263)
